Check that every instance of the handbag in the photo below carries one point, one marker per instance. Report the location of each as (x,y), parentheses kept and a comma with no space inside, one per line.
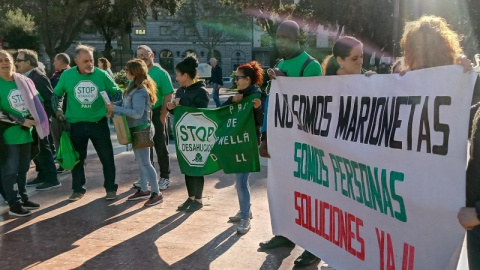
(143,137)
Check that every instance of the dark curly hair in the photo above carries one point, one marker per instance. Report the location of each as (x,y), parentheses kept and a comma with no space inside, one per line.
(254,71)
(188,65)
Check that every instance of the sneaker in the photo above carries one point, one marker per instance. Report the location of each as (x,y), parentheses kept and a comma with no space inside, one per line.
(111,195)
(244,226)
(139,195)
(19,211)
(49,185)
(306,259)
(194,206)
(154,199)
(185,205)
(276,242)
(29,205)
(35,182)
(137,183)
(163,183)
(76,196)
(238,217)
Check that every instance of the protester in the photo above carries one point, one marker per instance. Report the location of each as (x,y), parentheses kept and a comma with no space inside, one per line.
(160,113)
(296,63)
(346,57)
(136,105)
(216,80)
(104,64)
(192,93)
(248,77)
(476,68)
(418,54)
(42,153)
(397,66)
(86,116)
(20,115)
(61,62)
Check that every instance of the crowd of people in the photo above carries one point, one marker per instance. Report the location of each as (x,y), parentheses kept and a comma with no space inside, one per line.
(35,110)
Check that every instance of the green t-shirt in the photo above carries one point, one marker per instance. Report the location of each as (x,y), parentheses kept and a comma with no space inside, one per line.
(84,101)
(164,84)
(11,102)
(293,67)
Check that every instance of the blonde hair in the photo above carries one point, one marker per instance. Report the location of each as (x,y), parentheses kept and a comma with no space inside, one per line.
(138,69)
(429,42)
(9,56)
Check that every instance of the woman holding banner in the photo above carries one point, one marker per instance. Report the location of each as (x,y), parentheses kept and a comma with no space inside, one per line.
(346,58)
(136,103)
(22,110)
(248,77)
(192,93)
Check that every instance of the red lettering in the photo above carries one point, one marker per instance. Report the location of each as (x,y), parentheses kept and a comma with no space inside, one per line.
(298,220)
(408,257)
(381,241)
(323,206)
(349,235)
(333,233)
(309,215)
(390,254)
(361,254)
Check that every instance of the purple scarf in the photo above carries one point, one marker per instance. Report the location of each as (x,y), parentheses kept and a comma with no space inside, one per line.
(32,102)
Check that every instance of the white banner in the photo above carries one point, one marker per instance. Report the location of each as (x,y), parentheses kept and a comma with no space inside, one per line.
(369,172)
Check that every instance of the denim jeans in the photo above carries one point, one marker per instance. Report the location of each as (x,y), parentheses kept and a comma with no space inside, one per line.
(99,134)
(146,170)
(243,192)
(216,94)
(14,173)
(160,140)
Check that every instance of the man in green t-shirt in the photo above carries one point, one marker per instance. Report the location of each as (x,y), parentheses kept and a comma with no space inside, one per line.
(295,63)
(159,113)
(86,115)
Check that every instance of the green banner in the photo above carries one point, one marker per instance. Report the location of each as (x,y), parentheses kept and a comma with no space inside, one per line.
(209,140)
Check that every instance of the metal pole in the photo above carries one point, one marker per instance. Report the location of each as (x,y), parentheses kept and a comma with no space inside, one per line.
(396,21)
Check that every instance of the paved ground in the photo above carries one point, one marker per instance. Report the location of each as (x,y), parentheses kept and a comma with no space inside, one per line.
(96,234)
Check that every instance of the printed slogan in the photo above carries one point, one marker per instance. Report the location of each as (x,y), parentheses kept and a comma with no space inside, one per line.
(369,172)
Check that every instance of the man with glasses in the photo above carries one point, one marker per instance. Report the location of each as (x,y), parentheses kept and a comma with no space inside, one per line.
(160,113)
(27,63)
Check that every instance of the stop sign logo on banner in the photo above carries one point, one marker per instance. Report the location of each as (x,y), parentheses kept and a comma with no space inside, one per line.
(16,101)
(86,92)
(195,138)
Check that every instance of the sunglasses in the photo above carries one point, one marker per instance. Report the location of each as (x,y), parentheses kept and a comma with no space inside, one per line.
(235,77)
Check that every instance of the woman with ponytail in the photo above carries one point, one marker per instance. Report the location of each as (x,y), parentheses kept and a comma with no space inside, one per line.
(346,57)
(248,78)
(140,94)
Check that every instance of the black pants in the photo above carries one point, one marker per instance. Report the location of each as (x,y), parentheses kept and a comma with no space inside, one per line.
(14,172)
(43,157)
(99,134)
(160,140)
(194,186)
(473,247)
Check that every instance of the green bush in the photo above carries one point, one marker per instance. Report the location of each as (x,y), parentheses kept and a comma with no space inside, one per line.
(120,77)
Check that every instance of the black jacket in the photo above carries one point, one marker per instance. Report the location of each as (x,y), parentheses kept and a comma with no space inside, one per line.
(217,76)
(194,95)
(42,83)
(258,112)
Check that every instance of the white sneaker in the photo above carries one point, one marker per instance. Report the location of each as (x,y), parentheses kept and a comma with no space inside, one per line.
(137,184)
(244,226)
(238,217)
(163,183)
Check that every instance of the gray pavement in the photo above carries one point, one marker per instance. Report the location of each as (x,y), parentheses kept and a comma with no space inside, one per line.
(93,233)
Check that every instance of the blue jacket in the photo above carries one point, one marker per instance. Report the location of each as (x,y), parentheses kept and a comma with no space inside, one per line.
(136,106)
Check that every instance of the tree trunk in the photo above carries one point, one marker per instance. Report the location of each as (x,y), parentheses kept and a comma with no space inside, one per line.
(107,53)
